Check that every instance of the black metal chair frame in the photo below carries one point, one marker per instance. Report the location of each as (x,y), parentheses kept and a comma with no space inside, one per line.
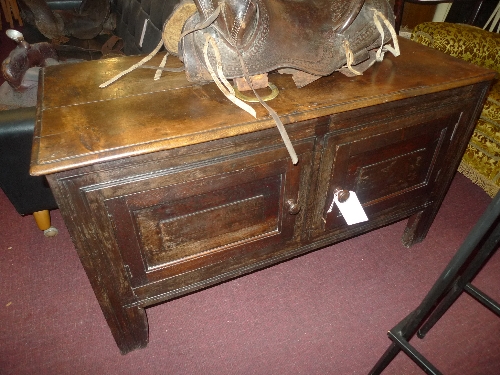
(399,7)
(481,242)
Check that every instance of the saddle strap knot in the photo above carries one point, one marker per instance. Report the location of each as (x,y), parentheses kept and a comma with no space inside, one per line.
(377,16)
(349,57)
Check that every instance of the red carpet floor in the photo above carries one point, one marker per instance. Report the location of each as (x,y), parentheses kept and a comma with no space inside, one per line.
(324,313)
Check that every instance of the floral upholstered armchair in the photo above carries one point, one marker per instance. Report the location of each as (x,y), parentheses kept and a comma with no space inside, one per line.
(481,161)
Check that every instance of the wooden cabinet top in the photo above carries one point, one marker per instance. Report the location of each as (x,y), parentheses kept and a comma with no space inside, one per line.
(80,124)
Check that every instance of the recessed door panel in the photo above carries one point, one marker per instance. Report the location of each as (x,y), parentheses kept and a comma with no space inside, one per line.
(389,171)
(182,229)
(206,215)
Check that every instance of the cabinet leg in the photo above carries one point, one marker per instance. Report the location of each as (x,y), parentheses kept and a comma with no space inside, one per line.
(129,327)
(417,228)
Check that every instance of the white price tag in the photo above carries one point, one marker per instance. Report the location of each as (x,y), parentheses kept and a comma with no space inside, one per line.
(351,209)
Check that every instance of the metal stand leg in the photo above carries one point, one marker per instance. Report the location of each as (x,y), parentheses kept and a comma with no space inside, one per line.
(477,248)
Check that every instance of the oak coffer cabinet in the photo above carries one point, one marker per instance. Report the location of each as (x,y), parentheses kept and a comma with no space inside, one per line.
(166,187)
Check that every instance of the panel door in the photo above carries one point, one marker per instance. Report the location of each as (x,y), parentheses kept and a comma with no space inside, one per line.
(392,168)
(176,222)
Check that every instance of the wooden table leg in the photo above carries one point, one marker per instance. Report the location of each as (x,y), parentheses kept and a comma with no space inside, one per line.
(129,327)
(412,234)
(418,226)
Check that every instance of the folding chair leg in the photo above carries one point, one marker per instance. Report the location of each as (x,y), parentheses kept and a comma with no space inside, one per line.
(483,298)
(386,359)
(474,252)
(414,354)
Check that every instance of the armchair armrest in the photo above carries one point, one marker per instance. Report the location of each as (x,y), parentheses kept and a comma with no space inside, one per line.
(469,43)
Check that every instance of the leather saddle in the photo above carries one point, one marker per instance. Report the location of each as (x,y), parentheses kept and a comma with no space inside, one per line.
(229,39)
(316,37)
(23,57)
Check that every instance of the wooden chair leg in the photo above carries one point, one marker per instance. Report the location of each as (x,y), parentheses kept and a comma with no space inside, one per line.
(42,219)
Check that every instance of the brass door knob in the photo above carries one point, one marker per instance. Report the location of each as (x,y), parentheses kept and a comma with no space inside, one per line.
(293,207)
(342,194)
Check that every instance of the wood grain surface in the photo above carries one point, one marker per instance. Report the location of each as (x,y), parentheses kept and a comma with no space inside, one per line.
(80,124)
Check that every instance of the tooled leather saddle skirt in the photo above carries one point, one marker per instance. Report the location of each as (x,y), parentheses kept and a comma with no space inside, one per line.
(264,35)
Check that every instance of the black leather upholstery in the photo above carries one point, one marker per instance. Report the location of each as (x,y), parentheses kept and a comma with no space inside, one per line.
(131,15)
(29,194)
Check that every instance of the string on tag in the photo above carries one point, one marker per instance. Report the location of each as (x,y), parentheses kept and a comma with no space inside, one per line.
(333,204)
